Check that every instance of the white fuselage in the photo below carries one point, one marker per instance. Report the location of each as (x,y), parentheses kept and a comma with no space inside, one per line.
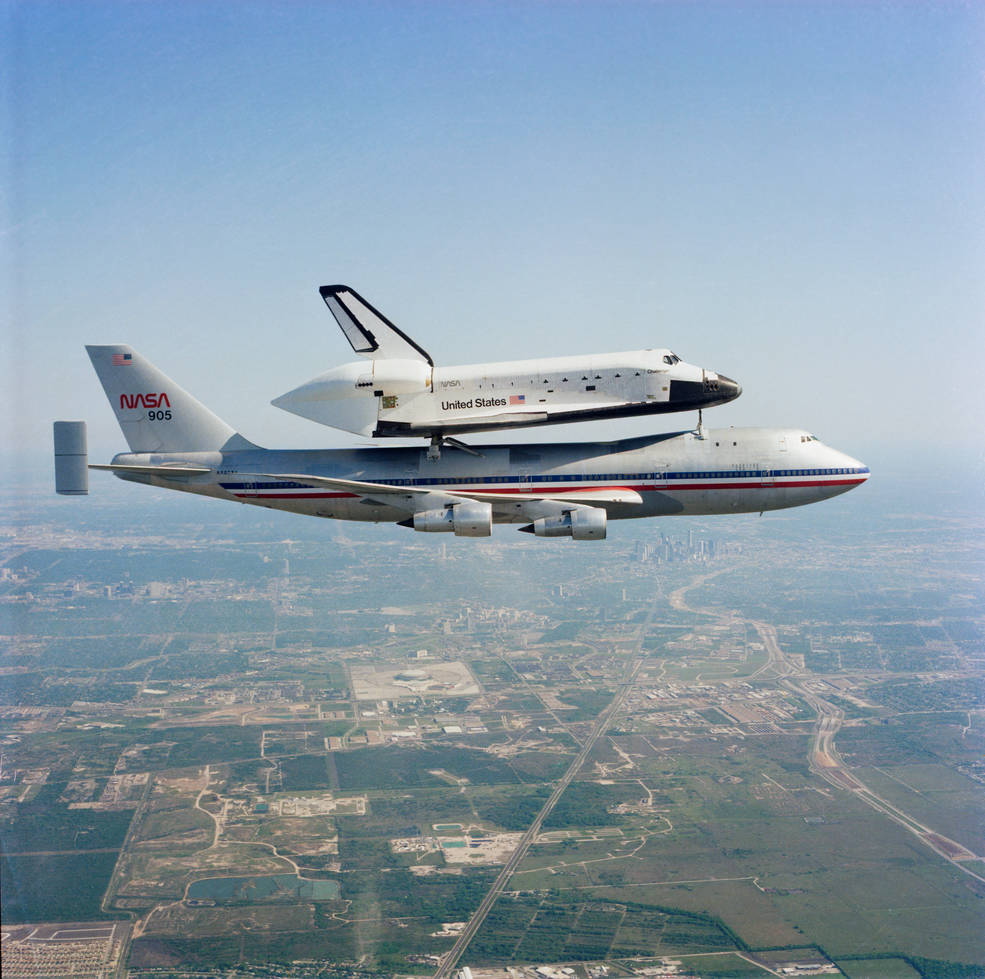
(409,397)
(732,470)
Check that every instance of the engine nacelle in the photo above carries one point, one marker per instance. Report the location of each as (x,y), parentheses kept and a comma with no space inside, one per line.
(587,524)
(473,519)
(551,526)
(434,521)
(462,519)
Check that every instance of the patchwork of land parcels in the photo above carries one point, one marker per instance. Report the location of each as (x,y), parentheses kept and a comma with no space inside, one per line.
(245,743)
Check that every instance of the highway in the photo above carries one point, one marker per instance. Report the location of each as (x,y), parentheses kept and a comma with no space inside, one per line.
(827,762)
(823,756)
(824,760)
(450,960)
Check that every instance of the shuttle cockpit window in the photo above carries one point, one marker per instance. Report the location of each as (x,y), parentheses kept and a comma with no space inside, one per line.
(671,359)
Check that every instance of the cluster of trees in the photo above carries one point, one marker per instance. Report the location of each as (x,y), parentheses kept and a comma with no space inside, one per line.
(587,804)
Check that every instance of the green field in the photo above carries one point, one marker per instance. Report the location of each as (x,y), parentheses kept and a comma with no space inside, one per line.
(887,968)
(524,929)
(42,826)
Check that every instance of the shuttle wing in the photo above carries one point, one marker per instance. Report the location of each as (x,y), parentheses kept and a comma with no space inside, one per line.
(512,419)
(368,331)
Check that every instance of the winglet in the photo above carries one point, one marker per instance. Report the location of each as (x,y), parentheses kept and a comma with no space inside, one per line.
(368,331)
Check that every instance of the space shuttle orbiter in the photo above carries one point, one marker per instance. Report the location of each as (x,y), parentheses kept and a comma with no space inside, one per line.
(397,391)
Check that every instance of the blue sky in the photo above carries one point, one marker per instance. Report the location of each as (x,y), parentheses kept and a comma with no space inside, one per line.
(790,193)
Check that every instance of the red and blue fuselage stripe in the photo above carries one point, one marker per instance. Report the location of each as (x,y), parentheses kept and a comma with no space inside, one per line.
(522,484)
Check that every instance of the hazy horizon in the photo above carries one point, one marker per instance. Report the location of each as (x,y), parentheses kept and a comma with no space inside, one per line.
(787,193)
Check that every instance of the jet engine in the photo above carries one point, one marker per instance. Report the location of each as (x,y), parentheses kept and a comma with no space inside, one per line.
(587,524)
(462,519)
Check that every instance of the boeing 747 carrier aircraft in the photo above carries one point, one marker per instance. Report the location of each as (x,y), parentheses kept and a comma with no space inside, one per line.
(550,490)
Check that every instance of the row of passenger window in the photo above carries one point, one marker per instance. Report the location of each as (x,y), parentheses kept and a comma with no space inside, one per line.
(568,478)
(615,477)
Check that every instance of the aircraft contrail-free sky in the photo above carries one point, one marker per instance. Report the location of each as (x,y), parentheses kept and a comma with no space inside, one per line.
(789,193)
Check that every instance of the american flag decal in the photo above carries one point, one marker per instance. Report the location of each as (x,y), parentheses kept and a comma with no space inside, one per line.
(518,399)
(122,360)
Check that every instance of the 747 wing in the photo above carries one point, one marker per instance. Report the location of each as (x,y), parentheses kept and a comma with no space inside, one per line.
(578,513)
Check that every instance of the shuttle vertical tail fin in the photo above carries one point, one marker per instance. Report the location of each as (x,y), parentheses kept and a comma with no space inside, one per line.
(369,332)
(155,414)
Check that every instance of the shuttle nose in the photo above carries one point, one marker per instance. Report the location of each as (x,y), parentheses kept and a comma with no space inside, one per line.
(729,389)
(706,390)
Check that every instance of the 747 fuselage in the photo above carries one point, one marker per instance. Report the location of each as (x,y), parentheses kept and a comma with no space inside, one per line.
(733,470)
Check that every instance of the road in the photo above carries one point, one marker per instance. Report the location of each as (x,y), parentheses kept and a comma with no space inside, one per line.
(824,758)
(827,762)
(450,960)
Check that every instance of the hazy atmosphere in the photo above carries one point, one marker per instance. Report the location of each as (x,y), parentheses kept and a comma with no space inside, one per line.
(788,193)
